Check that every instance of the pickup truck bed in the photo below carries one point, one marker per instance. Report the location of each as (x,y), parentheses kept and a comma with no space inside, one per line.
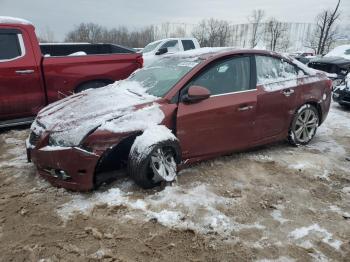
(67,49)
(32,76)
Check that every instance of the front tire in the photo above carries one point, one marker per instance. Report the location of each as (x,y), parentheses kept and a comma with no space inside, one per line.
(304,125)
(159,163)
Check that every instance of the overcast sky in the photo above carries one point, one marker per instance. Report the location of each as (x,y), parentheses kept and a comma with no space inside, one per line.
(60,16)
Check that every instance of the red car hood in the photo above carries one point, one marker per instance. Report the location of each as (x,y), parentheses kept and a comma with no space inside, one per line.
(69,120)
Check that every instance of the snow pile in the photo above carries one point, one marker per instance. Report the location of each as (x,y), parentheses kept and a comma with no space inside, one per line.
(72,118)
(260,157)
(152,136)
(13,20)
(340,51)
(80,53)
(301,165)
(54,148)
(339,211)
(303,232)
(323,141)
(195,208)
(277,215)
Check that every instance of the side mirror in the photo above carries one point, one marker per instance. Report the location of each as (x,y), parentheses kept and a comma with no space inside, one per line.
(196,94)
(162,51)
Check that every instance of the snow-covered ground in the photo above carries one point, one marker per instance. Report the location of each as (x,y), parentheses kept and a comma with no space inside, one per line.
(276,203)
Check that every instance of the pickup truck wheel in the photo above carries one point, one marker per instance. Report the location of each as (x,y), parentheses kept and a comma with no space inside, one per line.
(159,164)
(90,85)
(304,125)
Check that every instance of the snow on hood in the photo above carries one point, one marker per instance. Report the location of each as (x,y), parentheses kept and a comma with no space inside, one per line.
(340,51)
(69,120)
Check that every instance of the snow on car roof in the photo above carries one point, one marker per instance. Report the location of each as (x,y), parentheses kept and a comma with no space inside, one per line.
(340,51)
(200,52)
(14,20)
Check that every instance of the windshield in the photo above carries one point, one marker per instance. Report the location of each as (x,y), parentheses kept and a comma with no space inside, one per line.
(162,75)
(150,47)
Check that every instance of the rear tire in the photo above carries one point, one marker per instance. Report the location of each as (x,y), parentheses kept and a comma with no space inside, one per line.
(304,125)
(146,168)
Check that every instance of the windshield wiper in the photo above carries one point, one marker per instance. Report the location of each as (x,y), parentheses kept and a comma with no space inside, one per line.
(133,92)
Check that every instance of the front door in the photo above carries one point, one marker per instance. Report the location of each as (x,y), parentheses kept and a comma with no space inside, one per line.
(21,91)
(225,121)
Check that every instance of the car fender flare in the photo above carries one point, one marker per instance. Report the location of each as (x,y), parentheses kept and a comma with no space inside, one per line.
(147,140)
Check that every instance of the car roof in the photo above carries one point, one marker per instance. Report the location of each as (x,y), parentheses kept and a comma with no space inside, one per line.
(215,52)
(14,20)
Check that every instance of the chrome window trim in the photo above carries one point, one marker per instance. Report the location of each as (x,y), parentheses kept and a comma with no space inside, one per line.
(238,92)
(23,50)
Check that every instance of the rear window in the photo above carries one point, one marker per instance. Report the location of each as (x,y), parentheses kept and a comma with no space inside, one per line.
(9,46)
(272,70)
(188,44)
(171,43)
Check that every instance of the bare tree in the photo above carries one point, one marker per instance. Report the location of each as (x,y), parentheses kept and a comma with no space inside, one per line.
(325,31)
(178,32)
(165,30)
(94,33)
(199,32)
(256,19)
(86,32)
(46,36)
(276,32)
(212,32)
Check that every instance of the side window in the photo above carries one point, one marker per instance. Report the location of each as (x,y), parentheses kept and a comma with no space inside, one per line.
(171,45)
(10,46)
(232,75)
(271,70)
(188,44)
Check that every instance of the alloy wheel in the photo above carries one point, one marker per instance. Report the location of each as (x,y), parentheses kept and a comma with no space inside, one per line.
(306,125)
(163,164)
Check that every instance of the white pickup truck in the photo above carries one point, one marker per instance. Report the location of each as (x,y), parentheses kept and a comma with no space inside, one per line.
(156,49)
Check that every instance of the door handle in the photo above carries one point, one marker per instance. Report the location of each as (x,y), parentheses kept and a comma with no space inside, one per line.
(24,72)
(245,108)
(288,92)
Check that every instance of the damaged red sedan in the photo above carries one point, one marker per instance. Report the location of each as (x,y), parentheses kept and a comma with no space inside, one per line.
(183,108)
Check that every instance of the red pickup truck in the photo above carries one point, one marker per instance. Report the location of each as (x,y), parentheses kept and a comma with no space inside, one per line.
(33,75)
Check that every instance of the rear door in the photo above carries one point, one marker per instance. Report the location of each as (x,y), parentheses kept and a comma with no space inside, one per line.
(277,82)
(188,44)
(224,122)
(21,90)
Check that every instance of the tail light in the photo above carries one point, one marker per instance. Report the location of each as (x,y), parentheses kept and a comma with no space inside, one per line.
(139,60)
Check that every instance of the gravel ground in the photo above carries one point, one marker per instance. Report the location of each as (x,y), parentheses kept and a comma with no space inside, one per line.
(276,203)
